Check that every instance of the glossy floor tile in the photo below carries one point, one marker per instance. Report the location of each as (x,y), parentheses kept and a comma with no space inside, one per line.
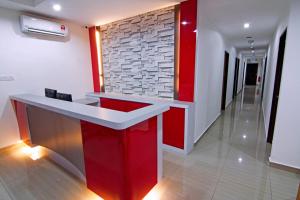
(229,163)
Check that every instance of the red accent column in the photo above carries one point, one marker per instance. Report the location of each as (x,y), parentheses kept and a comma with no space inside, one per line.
(94,57)
(188,25)
(21,114)
(173,127)
(121,164)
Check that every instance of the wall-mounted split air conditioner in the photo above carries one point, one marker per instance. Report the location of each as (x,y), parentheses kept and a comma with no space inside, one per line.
(41,26)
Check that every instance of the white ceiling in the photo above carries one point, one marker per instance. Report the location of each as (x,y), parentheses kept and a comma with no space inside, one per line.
(89,12)
(228,17)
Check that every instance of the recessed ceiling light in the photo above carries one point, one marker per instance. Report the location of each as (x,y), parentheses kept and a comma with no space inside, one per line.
(240,159)
(184,22)
(56,7)
(253,51)
(246,25)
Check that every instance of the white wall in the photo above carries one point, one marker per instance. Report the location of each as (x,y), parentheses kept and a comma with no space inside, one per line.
(36,63)
(270,72)
(209,78)
(231,71)
(241,73)
(286,142)
(211,46)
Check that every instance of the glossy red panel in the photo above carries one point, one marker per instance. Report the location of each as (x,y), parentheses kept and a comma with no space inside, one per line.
(120,105)
(121,165)
(21,114)
(173,127)
(187,52)
(94,57)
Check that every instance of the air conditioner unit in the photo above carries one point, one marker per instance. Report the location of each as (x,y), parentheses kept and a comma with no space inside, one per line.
(41,26)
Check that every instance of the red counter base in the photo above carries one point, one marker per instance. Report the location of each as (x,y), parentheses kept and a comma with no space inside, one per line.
(173,127)
(173,120)
(21,114)
(121,165)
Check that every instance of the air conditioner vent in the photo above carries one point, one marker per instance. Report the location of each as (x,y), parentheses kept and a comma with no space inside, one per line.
(41,26)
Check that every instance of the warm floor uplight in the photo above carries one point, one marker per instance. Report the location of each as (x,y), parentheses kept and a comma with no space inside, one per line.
(33,152)
(93,196)
(154,194)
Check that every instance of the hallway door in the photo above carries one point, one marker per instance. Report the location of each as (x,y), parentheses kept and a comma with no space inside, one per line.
(264,79)
(225,77)
(276,90)
(236,77)
(243,80)
(251,74)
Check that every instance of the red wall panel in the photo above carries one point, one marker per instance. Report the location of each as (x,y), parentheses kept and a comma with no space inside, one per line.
(120,105)
(21,114)
(121,164)
(94,57)
(173,127)
(187,52)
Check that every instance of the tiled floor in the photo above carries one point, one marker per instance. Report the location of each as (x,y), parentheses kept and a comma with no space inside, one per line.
(229,163)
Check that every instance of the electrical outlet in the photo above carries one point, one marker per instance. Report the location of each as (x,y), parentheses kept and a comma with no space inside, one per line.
(6,78)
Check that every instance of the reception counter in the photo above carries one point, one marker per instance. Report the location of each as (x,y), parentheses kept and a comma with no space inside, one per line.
(178,122)
(117,153)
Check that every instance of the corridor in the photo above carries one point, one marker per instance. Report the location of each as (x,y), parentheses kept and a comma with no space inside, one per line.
(231,161)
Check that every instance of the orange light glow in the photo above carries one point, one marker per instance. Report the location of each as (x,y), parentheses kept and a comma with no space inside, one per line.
(99,54)
(154,194)
(34,153)
(20,142)
(93,196)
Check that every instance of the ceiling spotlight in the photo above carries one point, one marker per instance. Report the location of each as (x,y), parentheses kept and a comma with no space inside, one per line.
(56,7)
(240,159)
(184,22)
(246,25)
(253,51)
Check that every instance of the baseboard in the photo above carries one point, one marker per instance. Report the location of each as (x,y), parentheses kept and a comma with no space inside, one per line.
(284,167)
(264,116)
(228,103)
(205,130)
(172,149)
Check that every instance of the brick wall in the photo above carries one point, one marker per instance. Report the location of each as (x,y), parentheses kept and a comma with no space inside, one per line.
(138,54)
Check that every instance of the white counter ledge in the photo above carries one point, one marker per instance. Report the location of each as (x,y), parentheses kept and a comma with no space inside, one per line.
(97,115)
(140,99)
(178,137)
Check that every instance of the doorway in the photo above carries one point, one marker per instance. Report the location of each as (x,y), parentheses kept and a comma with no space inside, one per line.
(264,79)
(243,80)
(236,77)
(225,77)
(251,74)
(276,90)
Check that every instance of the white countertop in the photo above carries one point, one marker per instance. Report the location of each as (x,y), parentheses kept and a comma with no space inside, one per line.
(140,99)
(97,115)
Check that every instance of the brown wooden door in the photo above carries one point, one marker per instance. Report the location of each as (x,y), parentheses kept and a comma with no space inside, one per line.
(236,77)
(276,90)
(225,77)
(251,74)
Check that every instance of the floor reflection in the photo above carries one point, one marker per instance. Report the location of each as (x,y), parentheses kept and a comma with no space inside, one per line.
(229,163)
